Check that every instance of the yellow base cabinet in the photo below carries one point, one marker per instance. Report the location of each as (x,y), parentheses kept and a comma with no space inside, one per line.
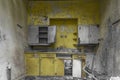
(32,65)
(47,67)
(59,67)
(47,64)
(39,64)
(51,67)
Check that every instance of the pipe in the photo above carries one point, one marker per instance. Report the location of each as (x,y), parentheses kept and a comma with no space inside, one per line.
(9,72)
(89,73)
(116,22)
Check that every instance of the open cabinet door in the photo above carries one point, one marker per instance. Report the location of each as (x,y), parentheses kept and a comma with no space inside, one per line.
(33,35)
(94,34)
(51,34)
(77,68)
(83,32)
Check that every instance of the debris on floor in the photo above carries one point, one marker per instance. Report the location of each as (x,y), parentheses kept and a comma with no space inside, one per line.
(115,78)
(53,78)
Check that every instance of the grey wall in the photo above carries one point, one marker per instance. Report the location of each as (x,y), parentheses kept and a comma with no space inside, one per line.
(12,38)
(108,54)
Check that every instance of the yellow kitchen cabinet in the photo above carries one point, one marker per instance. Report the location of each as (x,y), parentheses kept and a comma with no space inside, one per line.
(47,67)
(32,64)
(59,67)
(41,64)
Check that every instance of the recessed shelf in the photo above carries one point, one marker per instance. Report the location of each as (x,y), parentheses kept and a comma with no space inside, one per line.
(43,35)
(75,45)
(75,33)
(75,39)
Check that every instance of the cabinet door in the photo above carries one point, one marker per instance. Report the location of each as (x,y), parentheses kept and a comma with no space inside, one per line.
(59,67)
(47,67)
(33,35)
(32,65)
(94,34)
(83,32)
(77,68)
(51,34)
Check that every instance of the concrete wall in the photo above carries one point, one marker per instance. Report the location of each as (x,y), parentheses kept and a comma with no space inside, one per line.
(12,38)
(107,58)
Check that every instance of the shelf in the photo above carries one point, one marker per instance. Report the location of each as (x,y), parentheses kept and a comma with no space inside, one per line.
(43,31)
(75,33)
(75,39)
(88,44)
(43,38)
(55,52)
(40,44)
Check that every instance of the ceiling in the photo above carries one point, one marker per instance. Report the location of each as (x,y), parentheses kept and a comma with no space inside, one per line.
(63,0)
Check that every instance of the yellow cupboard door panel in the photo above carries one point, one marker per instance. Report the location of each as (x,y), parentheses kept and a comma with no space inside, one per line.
(47,67)
(32,66)
(59,67)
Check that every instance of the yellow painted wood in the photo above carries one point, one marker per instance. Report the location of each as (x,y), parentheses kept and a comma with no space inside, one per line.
(83,64)
(75,56)
(46,55)
(44,64)
(32,65)
(59,67)
(29,54)
(65,32)
(47,67)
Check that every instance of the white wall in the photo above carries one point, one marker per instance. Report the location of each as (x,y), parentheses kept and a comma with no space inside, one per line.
(12,38)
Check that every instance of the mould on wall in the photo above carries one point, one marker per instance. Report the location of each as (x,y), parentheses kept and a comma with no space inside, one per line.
(64,9)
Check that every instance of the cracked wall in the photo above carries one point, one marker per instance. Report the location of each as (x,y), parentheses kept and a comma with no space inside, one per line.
(12,37)
(107,59)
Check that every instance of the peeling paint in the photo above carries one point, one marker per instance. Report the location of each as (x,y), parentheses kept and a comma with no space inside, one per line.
(64,9)
(107,59)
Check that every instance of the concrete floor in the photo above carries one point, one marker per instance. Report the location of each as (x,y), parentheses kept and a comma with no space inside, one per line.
(52,78)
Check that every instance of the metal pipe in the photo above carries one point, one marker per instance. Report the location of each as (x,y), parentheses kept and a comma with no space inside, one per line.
(116,22)
(89,73)
(8,73)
